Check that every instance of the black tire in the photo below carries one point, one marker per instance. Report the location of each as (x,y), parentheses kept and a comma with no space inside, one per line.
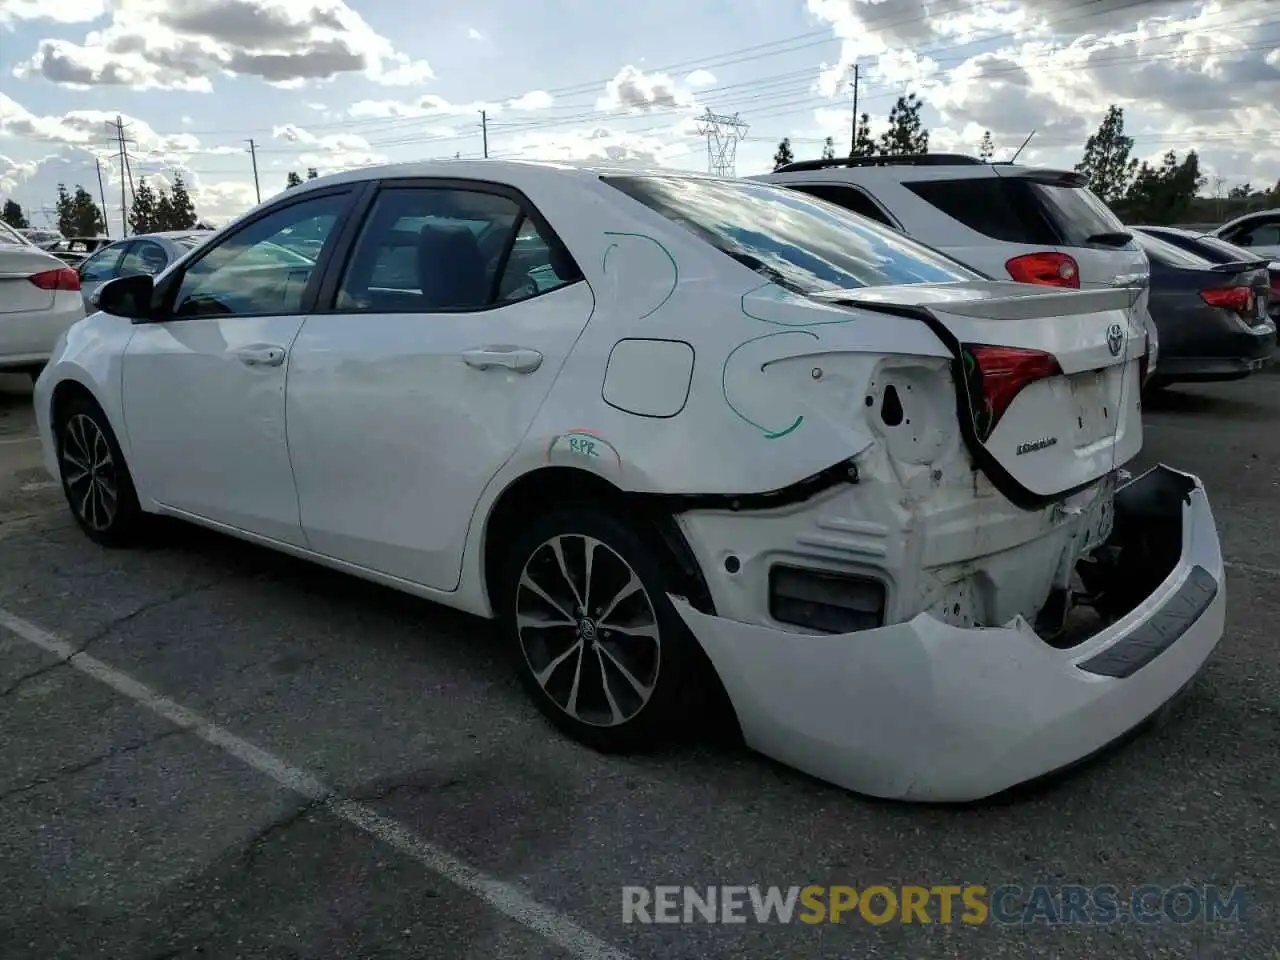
(102,497)
(669,667)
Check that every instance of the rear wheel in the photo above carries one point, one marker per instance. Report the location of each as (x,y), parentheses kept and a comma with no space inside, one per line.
(600,649)
(94,476)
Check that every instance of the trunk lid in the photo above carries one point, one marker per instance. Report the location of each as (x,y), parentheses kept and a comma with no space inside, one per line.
(17,293)
(1043,390)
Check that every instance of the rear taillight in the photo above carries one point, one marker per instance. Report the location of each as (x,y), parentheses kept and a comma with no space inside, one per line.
(64,278)
(1275,286)
(1046,269)
(996,375)
(1236,299)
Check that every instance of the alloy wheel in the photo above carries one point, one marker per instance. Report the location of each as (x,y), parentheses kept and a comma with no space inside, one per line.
(89,472)
(588,630)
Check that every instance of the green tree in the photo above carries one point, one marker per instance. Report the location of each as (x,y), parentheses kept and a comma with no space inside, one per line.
(1240,192)
(783,155)
(1106,163)
(66,212)
(1163,194)
(906,135)
(829,149)
(164,212)
(312,173)
(142,213)
(863,145)
(86,215)
(293,180)
(13,215)
(986,149)
(183,209)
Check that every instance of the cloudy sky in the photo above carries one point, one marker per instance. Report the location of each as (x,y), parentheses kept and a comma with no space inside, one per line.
(333,84)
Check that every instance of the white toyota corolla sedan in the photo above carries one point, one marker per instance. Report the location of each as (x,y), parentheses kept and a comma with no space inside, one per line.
(674,432)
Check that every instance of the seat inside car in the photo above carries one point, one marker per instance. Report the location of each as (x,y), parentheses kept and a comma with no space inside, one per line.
(451,269)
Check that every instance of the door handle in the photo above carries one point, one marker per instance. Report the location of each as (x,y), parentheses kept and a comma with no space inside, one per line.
(519,359)
(261,356)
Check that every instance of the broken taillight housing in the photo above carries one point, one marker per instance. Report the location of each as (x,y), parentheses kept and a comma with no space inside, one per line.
(996,375)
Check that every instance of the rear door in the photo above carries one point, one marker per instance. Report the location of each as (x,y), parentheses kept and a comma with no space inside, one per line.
(426,359)
(1044,371)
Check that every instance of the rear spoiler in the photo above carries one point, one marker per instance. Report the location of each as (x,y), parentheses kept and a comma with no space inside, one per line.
(1053,178)
(1240,266)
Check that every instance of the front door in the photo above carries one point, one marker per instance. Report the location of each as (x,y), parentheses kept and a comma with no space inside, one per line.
(204,389)
(457,310)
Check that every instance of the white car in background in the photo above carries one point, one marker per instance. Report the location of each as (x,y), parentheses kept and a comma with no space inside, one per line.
(39,300)
(673,431)
(1028,224)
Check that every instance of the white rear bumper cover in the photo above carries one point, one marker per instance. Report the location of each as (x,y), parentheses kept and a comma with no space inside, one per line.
(929,712)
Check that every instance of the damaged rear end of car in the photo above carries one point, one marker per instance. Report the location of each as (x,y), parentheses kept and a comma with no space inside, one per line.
(987,597)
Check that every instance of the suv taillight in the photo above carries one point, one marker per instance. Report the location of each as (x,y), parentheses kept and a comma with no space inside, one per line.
(64,278)
(995,375)
(1046,269)
(1236,299)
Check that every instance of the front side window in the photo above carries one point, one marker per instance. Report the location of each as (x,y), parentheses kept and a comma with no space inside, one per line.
(104,264)
(800,243)
(436,249)
(145,256)
(247,274)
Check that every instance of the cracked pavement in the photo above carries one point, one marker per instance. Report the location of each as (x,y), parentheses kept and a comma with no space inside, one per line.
(125,837)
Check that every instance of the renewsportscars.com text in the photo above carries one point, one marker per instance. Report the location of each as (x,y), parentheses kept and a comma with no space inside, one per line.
(971,904)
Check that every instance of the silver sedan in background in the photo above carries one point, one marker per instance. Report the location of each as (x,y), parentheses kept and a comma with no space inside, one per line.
(147,253)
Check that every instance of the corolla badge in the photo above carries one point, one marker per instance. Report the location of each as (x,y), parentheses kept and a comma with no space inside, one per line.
(1031,446)
(1115,339)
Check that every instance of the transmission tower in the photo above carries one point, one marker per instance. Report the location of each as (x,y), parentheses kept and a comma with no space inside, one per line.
(722,133)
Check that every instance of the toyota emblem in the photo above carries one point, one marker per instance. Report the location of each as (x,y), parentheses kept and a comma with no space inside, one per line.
(1115,339)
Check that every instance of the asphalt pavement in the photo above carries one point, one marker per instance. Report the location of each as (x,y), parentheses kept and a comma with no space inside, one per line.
(253,757)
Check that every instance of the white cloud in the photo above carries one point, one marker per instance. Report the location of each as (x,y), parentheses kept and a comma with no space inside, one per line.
(332,152)
(700,78)
(58,11)
(533,100)
(634,91)
(631,148)
(474,34)
(179,44)
(431,105)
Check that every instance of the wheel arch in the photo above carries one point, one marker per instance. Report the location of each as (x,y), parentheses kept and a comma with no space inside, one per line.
(552,486)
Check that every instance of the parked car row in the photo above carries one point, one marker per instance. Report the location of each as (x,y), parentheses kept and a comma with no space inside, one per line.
(683,435)
(44,290)
(1205,320)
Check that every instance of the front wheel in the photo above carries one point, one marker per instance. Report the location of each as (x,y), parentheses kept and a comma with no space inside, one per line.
(601,650)
(95,478)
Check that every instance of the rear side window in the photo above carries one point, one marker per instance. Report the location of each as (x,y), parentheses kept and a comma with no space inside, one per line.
(794,240)
(1161,251)
(848,197)
(1020,210)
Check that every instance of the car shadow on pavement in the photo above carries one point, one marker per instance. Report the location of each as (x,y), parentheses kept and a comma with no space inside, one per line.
(1200,401)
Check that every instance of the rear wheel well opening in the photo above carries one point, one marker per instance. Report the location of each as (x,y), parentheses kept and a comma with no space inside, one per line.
(556,487)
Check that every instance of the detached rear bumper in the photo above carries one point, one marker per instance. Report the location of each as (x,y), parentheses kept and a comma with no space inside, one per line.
(926,711)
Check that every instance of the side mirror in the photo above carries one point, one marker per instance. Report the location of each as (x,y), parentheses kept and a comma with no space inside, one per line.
(127,297)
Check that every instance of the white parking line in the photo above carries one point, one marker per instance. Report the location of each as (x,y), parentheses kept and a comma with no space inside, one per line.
(9,440)
(503,897)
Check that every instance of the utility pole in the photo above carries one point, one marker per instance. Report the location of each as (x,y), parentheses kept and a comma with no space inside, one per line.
(124,207)
(253,152)
(102,195)
(853,124)
(484,132)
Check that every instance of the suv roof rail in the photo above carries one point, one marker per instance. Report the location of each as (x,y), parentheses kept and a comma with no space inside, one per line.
(915,160)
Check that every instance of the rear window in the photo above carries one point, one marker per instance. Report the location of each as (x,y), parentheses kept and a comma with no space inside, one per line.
(10,236)
(1162,251)
(800,243)
(1021,210)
